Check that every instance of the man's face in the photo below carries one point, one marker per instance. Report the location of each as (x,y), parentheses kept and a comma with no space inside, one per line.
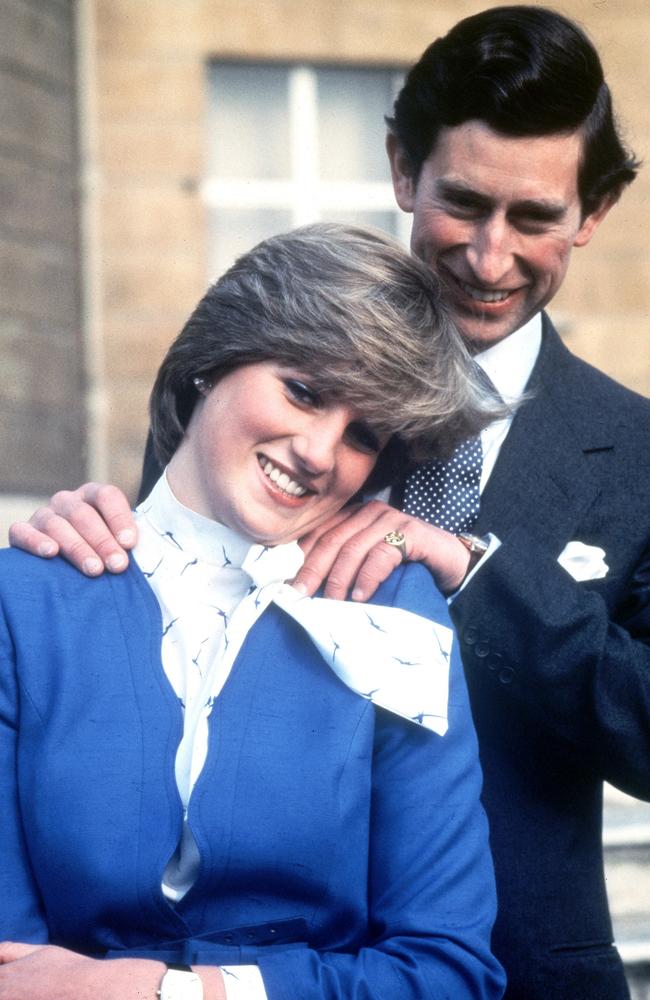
(496,217)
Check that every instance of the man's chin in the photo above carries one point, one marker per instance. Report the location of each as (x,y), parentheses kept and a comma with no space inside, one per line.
(478,336)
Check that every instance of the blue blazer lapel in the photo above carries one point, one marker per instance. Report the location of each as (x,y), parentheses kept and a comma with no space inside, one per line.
(543,478)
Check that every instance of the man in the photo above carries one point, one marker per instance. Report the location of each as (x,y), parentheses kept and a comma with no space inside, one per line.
(504,149)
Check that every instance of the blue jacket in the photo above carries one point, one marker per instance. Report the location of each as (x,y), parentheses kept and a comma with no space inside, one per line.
(343,849)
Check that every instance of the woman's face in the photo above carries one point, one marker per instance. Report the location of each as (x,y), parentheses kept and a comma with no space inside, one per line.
(267,456)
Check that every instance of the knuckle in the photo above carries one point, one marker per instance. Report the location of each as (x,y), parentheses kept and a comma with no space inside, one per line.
(41,518)
(353,549)
(62,499)
(104,492)
(77,549)
(309,574)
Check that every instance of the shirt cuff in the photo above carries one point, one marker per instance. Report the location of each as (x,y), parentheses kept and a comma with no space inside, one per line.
(493,545)
(243,982)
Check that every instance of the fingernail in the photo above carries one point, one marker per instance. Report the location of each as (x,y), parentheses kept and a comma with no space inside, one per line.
(91,566)
(126,537)
(46,549)
(116,562)
(358,594)
(300,587)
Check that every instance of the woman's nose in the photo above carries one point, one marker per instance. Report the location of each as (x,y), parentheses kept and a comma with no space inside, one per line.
(317,444)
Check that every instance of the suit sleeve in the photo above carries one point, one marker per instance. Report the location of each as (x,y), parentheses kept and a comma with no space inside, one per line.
(431,888)
(533,636)
(21,913)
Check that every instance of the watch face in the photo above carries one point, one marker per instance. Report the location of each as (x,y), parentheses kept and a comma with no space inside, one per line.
(180,985)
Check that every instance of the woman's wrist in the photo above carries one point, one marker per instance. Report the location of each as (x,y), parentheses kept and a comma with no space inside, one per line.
(213,982)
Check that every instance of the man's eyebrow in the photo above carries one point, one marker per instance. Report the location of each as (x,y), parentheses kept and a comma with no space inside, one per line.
(456,189)
(541,208)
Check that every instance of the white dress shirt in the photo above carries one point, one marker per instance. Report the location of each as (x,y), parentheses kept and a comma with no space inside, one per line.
(509,365)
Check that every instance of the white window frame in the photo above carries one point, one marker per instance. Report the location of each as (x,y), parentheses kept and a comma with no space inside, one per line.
(305,195)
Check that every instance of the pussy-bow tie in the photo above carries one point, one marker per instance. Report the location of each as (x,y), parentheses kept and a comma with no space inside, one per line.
(397,659)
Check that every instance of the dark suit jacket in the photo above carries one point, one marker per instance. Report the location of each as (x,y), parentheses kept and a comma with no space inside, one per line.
(559,671)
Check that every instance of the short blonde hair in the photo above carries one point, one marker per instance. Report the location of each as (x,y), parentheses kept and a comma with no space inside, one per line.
(351,309)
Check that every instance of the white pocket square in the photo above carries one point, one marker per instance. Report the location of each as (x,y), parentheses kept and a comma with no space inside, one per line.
(583,562)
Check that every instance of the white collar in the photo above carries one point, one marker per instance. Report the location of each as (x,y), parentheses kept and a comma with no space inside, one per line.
(213,542)
(509,363)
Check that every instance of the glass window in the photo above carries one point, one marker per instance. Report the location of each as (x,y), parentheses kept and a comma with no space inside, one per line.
(288,145)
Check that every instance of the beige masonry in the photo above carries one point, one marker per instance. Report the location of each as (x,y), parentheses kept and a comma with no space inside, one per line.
(150,111)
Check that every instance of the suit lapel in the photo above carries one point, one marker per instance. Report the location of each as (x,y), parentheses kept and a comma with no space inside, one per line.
(542,479)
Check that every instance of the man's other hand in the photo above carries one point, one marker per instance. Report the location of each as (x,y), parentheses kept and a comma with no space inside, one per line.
(349,552)
(92,527)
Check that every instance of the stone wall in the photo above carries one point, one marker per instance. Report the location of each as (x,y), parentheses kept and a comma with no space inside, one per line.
(42,383)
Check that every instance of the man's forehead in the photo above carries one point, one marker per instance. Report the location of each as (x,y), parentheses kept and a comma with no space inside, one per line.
(474,159)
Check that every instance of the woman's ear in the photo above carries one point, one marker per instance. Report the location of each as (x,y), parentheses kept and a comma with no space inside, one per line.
(402,174)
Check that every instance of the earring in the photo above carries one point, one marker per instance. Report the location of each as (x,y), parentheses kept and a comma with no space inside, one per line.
(201,385)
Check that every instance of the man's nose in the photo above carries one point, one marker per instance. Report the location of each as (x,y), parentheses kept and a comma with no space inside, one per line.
(490,253)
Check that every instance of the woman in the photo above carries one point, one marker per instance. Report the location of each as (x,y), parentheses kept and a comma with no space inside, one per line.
(193,771)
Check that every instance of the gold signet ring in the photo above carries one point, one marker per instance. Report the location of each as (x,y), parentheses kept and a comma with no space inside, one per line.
(398,540)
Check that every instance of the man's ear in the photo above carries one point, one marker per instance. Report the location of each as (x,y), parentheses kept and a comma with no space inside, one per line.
(591,222)
(402,174)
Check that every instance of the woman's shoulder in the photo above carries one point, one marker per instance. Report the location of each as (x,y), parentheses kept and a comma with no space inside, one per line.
(412,588)
(22,574)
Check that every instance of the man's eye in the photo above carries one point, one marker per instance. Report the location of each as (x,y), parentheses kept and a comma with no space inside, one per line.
(301,393)
(363,438)
(464,207)
(531,225)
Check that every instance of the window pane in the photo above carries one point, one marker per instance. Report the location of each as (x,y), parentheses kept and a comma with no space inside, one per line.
(380,220)
(352,104)
(232,232)
(248,128)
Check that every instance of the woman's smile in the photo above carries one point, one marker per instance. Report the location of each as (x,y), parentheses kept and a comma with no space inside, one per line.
(280,480)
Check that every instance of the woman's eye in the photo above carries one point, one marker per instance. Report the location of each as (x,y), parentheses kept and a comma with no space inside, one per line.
(301,393)
(361,437)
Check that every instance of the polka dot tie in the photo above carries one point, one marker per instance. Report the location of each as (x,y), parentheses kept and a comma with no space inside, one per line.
(446,493)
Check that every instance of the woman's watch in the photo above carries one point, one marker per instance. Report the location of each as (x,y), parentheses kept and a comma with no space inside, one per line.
(180,983)
(476,545)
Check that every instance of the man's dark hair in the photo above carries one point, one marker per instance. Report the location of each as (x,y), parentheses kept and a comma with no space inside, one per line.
(524,71)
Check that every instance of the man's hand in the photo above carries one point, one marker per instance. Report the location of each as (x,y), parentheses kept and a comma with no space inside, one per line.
(92,527)
(350,553)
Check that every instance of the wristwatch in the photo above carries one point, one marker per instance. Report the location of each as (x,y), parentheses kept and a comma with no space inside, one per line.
(180,983)
(476,545)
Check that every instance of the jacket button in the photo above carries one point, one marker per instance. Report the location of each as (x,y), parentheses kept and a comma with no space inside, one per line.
(470,635)
(506,675)
(482,648)
(495,661)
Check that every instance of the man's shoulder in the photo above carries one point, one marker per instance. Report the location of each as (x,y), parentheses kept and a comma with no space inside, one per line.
(582,386)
